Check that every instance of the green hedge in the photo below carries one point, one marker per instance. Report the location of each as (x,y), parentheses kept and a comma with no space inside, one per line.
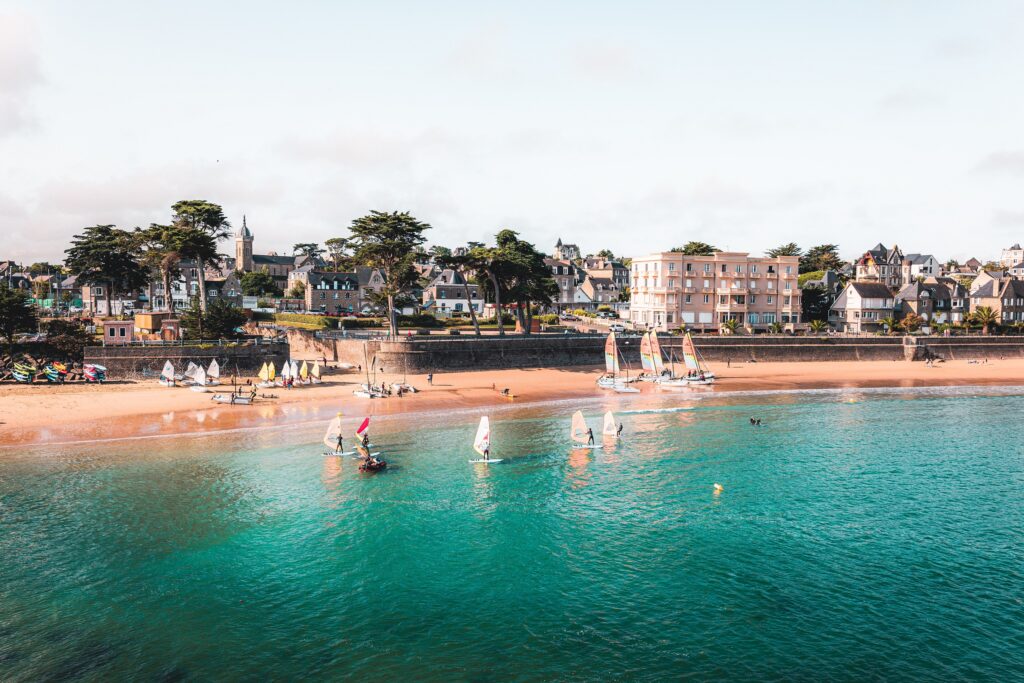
(321,322)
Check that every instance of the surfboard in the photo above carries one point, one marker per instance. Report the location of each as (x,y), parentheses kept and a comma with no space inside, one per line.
(487,462)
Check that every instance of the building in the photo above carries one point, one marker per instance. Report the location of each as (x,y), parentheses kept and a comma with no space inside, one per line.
(445,296)
(973,265)
(333,293)
(567,276)
(565,252)
(935,301)
(861,307)
(882,265)
(600,291)
(1005,298)
(1011,256)
(921,265)
(670,289)
(984,277)
(279,267)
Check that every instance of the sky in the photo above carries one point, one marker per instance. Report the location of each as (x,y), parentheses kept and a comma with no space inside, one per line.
(633,126)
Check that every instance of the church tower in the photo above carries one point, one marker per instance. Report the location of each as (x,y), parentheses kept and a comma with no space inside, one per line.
(243,248)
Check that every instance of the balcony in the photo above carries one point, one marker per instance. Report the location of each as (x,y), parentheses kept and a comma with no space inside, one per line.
(755,275)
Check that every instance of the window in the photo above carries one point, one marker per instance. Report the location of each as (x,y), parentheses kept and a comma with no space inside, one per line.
(707,298)
(707,284)
(753,298)
(789,285)
(689,267)
(707,267)
(687,299)
(789,270)
(771,269)
(771,284)
(671,266)
(722,298)
(689,282)
(323,296)
(111,332)
(785,301)
(739,268)
(753,268)
(723,267)
(771,299)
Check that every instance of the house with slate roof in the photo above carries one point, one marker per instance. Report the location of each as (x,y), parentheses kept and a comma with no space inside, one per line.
(881,265)
(922,265)
(936,301)
(276,265)
(1005,297)
(445,295)
(1011,256)
(861,306)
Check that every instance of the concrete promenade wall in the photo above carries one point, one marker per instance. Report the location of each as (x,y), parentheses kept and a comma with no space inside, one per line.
(420,354)
(131,361)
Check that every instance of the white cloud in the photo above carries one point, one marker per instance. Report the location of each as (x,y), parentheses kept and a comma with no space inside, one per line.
(20,72)
(1005,163)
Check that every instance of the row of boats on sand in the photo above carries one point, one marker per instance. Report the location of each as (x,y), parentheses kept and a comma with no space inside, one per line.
(580,433)
(200,379)
(694,372)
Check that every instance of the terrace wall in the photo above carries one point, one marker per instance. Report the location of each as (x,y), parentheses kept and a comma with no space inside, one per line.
(133,361)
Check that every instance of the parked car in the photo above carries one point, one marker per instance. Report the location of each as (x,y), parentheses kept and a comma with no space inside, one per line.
(617,327)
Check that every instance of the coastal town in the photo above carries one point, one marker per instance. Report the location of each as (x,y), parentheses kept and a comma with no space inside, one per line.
(166,278)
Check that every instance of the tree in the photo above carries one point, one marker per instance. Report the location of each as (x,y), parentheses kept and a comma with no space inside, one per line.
(775,327)
(219,321)
(696,249)
(790,249)
(44,268)
(388,242)
(821,257)
(890,323)
(259,283)
(467,267)
(161,250)
(17,314)
(911,322)
(104,255)
(298,290)
(208,217)
(818,326)
(68,338)
(985,317)
(730,326)
(339,251)
(815,303)
(606,254)
(311,249)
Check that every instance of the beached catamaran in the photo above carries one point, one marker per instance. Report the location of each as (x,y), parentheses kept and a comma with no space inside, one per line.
(697,371)
(304,373)
(611,379)
(266,376)
(482,442)
(651,358)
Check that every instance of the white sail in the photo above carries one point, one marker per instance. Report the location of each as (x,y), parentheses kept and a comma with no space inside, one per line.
(199,377)
(286,370)
(213,371)
(333,432)
(482,442)
(295,370)
(190,371)
(168,372)
(610,427)
(579,428)
(315,372)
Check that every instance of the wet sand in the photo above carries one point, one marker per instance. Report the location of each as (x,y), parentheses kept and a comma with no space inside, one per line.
(42,413)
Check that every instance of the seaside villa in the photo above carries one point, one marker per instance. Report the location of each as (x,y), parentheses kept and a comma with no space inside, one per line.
(669,290)
(861,307)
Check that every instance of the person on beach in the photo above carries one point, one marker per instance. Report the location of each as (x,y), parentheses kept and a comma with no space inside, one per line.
(590,436)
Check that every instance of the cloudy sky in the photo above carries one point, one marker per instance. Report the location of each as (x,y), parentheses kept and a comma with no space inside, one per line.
(630,125)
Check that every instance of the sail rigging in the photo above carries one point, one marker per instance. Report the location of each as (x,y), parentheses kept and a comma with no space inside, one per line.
(690,354)
(482,441)
(579,428)
(333,433)
(364,426)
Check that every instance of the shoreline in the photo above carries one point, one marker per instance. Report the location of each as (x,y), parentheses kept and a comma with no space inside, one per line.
(50,414)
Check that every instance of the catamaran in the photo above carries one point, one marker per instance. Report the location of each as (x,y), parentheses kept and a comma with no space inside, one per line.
(697,372)
(294,372)
(580,431)
(611,428)
(167,375)
(611,379)
(482,442)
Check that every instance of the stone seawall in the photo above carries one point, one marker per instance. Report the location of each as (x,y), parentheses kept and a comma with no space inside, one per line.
(133,361)
(419,354)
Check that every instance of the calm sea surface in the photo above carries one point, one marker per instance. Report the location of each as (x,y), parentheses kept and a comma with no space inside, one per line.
(868,535)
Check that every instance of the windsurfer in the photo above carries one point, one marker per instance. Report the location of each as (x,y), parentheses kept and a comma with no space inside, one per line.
(618,432)
(590,436)
(340,448)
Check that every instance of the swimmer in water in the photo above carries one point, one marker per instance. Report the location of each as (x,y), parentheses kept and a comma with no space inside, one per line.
(717,489)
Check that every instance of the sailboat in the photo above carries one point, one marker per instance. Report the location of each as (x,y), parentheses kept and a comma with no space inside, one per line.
(190,372)
(314,374)
(199,382)
(697,372)
(647,359)
(304,373)
(580,431)
(286,373)
(482,441)
(167,375)
(332,435)
(611,428)
(363,429)
(266,376)
(611,380)
(367,390)
(213,373)
(294,372)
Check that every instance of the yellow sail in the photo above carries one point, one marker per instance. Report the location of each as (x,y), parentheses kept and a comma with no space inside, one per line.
(315,372)
(304,371)
(264,373)
(273,373)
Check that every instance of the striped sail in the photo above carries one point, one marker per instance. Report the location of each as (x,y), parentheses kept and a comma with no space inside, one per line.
(690,354)
(656,358)
(611,355)
(482,442)
(646,356)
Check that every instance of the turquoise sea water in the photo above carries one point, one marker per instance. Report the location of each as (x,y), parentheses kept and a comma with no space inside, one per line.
(859,536)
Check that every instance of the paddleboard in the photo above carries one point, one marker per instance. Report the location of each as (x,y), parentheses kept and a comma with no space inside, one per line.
(586,446)
(344,453)
(487,461)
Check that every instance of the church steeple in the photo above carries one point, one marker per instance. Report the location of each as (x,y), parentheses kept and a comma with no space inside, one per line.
(243,248)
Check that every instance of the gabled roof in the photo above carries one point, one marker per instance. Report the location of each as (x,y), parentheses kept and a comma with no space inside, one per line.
(1012,288)
(447,277)
(918,259)
(986,290)
(273,259)
(871,290)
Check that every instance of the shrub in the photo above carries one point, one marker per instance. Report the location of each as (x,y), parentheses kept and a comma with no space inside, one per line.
(314,321)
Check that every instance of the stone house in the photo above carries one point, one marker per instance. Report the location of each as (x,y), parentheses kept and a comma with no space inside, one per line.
(861,306)
(445,295)
(882,265)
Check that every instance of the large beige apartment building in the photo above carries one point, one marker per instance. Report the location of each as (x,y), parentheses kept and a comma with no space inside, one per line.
(670,289)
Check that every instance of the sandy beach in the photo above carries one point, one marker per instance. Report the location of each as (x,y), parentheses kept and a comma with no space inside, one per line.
(42,413)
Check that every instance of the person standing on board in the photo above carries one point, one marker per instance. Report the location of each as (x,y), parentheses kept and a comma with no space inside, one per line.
(340,448)
(590,436)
